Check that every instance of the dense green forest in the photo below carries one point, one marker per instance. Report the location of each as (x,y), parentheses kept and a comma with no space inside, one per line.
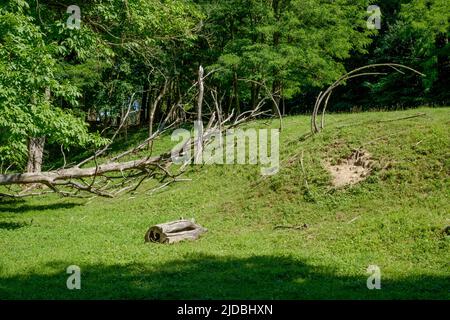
(65,75)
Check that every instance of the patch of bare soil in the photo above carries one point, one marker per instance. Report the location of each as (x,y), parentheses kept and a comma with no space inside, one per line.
(351,170)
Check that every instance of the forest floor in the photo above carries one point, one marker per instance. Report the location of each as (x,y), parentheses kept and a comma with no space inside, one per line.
(394,218)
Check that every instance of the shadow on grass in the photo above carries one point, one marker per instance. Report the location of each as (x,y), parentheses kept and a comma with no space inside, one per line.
(212,277)
(13,225)
(17,208)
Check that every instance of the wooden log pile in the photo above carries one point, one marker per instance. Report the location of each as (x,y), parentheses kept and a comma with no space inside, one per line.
(175,231)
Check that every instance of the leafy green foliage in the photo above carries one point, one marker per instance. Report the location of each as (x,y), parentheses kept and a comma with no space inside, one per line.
(293,44)
(293,47)
(417,38)
(30,89)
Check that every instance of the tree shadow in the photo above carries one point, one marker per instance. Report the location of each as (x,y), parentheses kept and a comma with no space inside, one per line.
(19,207)
(13,225)
(216,277)
(5,201)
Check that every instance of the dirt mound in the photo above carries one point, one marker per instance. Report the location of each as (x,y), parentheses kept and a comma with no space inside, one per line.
(351,170)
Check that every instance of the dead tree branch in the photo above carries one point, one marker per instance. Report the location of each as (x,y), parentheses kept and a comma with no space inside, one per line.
(109,176)
(324,97)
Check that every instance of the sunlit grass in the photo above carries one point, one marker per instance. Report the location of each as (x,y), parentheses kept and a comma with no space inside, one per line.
(394,219)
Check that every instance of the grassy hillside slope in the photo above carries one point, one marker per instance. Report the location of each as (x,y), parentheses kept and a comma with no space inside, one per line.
(394,219)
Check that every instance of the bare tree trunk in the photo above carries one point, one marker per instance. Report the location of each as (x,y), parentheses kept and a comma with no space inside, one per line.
(35,154)
(276,92)
(255,94)
(149,105)
(36,148)
(201,92)
(52,177)
(144,103)
(236,93)
(162,93)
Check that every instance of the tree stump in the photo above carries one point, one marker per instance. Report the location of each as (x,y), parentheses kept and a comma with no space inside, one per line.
(175,231)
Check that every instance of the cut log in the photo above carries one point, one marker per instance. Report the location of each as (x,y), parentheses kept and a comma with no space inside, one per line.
(175,231)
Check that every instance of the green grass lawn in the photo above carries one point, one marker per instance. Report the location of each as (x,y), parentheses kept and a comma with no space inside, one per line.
(394,219)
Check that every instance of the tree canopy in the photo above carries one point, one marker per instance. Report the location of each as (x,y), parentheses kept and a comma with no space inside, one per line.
(67,84)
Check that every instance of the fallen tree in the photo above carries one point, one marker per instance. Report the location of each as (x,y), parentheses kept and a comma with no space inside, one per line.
(113,176)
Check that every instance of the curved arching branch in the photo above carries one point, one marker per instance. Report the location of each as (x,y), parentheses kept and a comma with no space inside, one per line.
(324,96)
